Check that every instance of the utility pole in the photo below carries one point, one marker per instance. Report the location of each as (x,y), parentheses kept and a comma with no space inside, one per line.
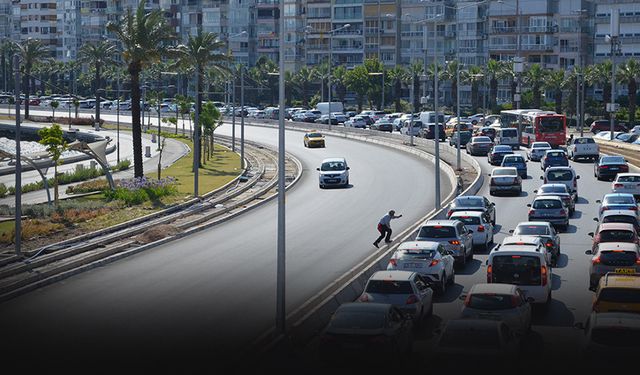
(437,126)
(18,184)
(280,272)
(242,117)
(613,38)
(196,138)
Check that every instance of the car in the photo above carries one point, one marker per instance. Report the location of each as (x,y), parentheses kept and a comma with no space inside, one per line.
(479,145)
(516,161)
(497,153)
(505,180)
(356,122)
(549,208)
(626,138)
(562,175)
(522,265)
(452,234)
(491,120)
(478,118)
(620,216)
(501,302)
(610,334)
(314,139)
(406,290)
(465,137)
(606,135)
(546,232)
(334,172)
(608,166)
(382,125)
(429,132)
(429,259)
(509,137)
(473,203)
(411,128)
(615,257)
(479,223)
(613,232)
(627,183)
(324,119)
(365,328)
(533,243)
(492,341)
(617,201)
(487,131)
(561,191)
(583,148)
(554,158)
(605,125)
(537,150)
(635,130)
(618,293)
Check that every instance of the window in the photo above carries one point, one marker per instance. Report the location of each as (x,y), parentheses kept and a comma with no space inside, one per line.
(389,287)
(516,269)
(437,231)
(490,302)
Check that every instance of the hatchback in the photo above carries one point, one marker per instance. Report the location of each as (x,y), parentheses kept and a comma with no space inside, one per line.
(562,175)
(406,290)
(620,216)
(554,158)
(617,201)
(627,183)
(618,293)
(473,203)
(610,335)
(429,132)
(544,231)
(505,180)
(479,146)
(487,131)
(501,302)
(561,191)
(516,161)
(465,137)
(334,172)
(429,259)
(537,150)
(480,224)
(616,257)
(498,153)
(608,166)
(551,209)
(452,234)
(613,232)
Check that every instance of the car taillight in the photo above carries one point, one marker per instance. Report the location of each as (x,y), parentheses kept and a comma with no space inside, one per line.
(489,273)
(575,183)
(467,300)
(480,228)
(595,260)
(634,208)
(454,242)
(603,167)
(563,212)
(549,243)
(515,301)
(434,262)
(545,180)
(493,182)
(618,186)
(412,299)
(532,211)
(624,167)
(638,261)
(364,297)
(543,274)
(449,213)
(393,262)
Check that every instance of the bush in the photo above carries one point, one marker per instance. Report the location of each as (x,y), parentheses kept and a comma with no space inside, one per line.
(122,166)
(138,190)
(88,187)
(3,190)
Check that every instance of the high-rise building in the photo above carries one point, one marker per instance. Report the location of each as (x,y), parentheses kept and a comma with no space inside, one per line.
(38,20)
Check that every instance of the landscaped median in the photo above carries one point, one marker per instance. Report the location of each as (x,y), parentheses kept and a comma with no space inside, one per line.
(133,198)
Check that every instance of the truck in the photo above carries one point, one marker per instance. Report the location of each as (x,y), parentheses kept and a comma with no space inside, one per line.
(582,147)
(335,107)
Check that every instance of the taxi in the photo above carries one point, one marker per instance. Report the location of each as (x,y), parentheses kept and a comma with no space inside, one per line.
(618,293)
(313,139)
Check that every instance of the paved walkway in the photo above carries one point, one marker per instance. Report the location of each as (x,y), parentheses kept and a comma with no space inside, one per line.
(173,151)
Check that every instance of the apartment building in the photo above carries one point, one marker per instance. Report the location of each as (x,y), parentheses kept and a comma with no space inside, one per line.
(37,20)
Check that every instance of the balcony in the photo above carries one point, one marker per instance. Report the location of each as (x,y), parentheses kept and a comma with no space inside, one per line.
(537,47)
(503,30)
(348,32)
(503,47)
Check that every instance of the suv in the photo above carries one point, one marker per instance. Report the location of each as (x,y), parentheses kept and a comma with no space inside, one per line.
(429,259)
(473,203)
(479,223)
(616,257)
(452,234)
(618,293)
(429,132)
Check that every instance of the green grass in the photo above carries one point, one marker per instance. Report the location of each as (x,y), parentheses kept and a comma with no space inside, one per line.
(7,226)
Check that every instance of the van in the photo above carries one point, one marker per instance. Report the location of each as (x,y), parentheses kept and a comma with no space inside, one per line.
(508,137)
(429,117)
(407,130)
(524,265)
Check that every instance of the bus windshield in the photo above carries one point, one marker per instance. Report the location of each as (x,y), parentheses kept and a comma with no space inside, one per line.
(551,125)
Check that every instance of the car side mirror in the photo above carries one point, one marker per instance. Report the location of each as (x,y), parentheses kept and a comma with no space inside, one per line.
(462,297)
(596,219)
(541,177)
(486,262)
(530,299)
(348,168)
(589,252)
(489,174)
(598,201)
(511,231)
(535,191)
(470,231)
(529,205)
(590,234)
(577,177)
(317,169)
(493,203)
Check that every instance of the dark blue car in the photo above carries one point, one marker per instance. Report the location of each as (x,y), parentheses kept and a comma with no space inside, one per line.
(497,154)
(554,158)
(516,161)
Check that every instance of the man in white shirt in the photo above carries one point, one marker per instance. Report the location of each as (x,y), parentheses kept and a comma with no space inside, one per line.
(384,227)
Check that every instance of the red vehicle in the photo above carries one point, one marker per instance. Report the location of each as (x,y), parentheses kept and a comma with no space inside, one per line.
(605,125)
(537,126)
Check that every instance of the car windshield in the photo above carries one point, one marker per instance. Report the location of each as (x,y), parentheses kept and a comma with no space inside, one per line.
(616,235)
(560,175)
(437,231)
(502,149)
(314,135)
(469,202)
(470,338)
(481,140)
(513,160)
(358,320)
(332,166)
(389,287)
(531,230)
(553,189)
(490,301)
(470,220)
(551,125)
(504,172)
(618,258)
(547,204)
(620,219)
(541,145)
(584,141)
(416,254)
(612,160)
(555,154)
(622,337)
(620,295)
(628,178)
(516,269)
(509,133)
(619,199)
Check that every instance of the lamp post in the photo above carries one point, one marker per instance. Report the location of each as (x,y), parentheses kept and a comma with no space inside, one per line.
(280,272)
(518,66)
(345,26)
(18,184)
(233,86)
(614,40)
(579,73)
(380,74)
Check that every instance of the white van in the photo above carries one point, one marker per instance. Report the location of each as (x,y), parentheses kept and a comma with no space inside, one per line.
(407,130)
(508,137)
(524,265)
(429,117)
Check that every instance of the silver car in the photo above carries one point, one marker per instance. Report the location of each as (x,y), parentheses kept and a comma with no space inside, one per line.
(561,191)
(616,257)
(551,209)
(545,231)
(620,216)
(505,180)
(537,150)
(408,291)
(627,183)
(502,302)
(452,234)
(429,259)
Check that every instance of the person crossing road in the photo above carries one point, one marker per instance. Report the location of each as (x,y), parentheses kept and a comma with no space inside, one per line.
(384,227)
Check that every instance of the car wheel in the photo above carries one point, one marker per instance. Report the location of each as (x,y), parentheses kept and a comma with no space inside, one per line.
(442,285)
(470,255)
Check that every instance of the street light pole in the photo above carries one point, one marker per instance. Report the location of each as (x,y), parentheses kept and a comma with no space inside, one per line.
(615,48)
(117,121)
(196,138)
(331,63)
(18,196)
(281,264)
(241,117)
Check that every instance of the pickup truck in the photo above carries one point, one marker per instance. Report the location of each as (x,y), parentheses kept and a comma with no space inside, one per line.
(583,147)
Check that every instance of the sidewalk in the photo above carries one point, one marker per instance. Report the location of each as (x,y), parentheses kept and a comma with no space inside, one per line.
(173,151)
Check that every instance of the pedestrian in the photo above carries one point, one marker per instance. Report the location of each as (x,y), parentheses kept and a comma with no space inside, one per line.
(570,140)
(384,227)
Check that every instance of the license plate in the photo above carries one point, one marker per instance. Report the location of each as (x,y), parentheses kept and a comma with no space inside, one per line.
(413,265)
(613,169)
(504,187)
(625,270)
(332,180)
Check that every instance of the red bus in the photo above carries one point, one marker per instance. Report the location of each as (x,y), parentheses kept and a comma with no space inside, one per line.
(537,126)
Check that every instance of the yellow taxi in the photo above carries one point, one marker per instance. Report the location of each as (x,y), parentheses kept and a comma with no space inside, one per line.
(313,139)
(618,293)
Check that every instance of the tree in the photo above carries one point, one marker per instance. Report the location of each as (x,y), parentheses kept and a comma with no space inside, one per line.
(450,74)
(211,119)
(321,72)
(628,74)
(474,77)
(30,51)
(358,81)
(54,105)
(339,74)
(534,78)
(494,70)
(144,37)
(415,72)
(600,75)
(99,55)
(398,75)
(7,50)
(52,138)
(555,81)
(203,51)
(375,90)
(303,79)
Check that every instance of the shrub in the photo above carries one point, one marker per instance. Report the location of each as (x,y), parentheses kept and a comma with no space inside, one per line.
(77,215)
(3,190)
(138,190)
(123,165)
(31,229)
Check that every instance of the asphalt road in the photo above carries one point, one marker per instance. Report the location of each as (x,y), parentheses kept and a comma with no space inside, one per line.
(215,291)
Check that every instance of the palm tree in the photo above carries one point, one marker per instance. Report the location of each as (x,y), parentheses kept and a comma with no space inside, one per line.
(628,73)
(203,51)
(555,81)
(339,74)
(7,49)
(600,74)
(99,55)
(30,51)
(534,78)
(322,73)
(473,76)
(398,75)
(303,78)
(494,70)
(415,72)
(143,36)
(450,74)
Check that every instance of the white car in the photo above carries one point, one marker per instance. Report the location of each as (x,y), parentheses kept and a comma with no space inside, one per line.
(480,224)
(429,259)
(478,118)
(503,302)
(406,290)
(635,130)
(627,183)
(583,147)
(356,122)
(452,234)
(562,175)
(333,172)
(537,150)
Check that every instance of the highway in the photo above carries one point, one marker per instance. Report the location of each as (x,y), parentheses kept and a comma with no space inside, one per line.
(215,291)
